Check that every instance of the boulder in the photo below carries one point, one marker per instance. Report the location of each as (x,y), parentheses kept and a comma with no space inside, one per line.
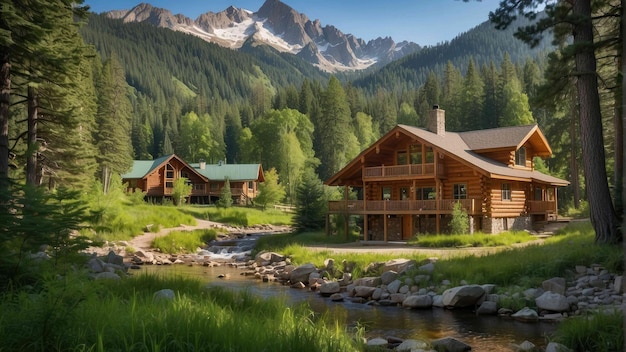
(95,265)
(266,258)
(394,286)
(412,345)
(526,315)
(301,273)
(557,347)
(427,268)
(388,276)
(164,295)
(418,301)
(377,342)
(555,284)
(364,291)
(113,258)
(450,344)
(107,276)
(397,297)
(371,281)
(526,346)
(336,297)
(553,302)
(398,265)
(487,308)
(462,296)
(328,288)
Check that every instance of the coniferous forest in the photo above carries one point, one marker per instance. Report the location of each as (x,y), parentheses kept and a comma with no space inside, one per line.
(89,94)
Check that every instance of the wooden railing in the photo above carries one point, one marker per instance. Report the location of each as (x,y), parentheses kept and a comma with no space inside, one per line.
(541,206)
(444,206)
(402,171)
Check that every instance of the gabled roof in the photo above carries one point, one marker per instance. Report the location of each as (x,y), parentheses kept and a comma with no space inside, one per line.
(454,145)
(143,168)
(507,137)
(234,172)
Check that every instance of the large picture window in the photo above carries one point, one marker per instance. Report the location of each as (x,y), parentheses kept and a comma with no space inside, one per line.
(386,193)
(506,191)
(459,191)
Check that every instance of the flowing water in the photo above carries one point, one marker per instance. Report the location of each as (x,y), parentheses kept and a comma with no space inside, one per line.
(483,333)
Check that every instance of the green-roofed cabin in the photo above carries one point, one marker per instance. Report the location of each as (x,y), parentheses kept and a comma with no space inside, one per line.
(408,181)
(156,178)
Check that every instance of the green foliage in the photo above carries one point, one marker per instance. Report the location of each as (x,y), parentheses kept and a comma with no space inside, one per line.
(460,221)
(76,314)
(239,216)
(181,190)
(474,240)
(180,242)
(311,200)
(270,192)
(226,197)
(601,331)
(37,221)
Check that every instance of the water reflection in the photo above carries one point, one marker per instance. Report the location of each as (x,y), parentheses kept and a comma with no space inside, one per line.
(484,333)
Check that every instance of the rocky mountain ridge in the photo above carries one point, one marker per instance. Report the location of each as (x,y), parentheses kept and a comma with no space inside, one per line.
(277,25)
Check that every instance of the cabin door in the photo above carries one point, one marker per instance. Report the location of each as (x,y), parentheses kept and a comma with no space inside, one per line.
(407,225)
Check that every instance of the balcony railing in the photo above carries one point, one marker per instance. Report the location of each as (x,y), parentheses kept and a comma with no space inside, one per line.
(541,206)
(402,171)
(444,206)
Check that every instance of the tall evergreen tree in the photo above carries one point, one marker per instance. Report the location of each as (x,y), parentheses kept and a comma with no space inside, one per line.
(113,118)
(311,202)
(472,97)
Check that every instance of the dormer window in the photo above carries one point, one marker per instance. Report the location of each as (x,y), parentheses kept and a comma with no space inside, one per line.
(520,156)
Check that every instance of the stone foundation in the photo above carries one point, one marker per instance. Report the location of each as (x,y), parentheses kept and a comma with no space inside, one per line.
(497,225)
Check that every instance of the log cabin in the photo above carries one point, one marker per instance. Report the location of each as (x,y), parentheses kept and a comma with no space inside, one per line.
(156,178)
(408,181)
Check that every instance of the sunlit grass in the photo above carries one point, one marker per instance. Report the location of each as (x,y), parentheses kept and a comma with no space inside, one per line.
(602,331)
(473,240)
(240,216)
(178,242)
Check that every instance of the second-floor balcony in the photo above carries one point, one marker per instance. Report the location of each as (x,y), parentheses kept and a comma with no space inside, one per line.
(402,171)
(443,206)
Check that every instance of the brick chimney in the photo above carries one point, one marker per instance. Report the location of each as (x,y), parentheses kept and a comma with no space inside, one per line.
(437,121)
(202,164)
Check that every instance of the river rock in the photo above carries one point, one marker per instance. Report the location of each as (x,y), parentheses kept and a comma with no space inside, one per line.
(107,276)
(301,273)
(394,286)
(462,296)
(617,284)
(412,345)
(364,291)
(450,344)
(336,297)
(377,342)
(556,347)
(438,301)
(418,301)
(113,258)
(397,297)
(526,315)
(555,284)
(427,268)
(377,294)
(371,281)
(163,295)
(328,288)
(267,258)
(487,308)
(553,302)
(388,276)
(398,265)
(95,265)
(526,346)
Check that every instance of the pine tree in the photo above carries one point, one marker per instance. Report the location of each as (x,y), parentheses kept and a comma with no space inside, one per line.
(472,97)
(311,202)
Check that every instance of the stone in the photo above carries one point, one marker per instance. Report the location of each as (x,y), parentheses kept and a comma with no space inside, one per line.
(397,297)
(107,276)
(377,294)
(371,281)
(336,297)
(163,295)
(488,288)
(462,296)
(487,308)
(394,286)
(450,344)
(377,342)
(298,285)
(526,346)
(364,291)
(113,258)
(388,276)
(555,284)
(301,273)
(397,265)
(411,345)
(556,347)
(328,288)
(418,301)
(329,264)
(268,257)
(618,285)
(553,302)
(427,268)
(95,265)
(438,301)
(526,315)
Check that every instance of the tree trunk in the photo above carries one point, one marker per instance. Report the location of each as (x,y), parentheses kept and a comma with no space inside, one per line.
(601,209)
(623,72)
(573,153)
(5,95)
(33,148)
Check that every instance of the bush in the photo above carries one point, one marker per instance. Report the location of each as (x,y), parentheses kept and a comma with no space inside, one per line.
(460,221)
(178,242)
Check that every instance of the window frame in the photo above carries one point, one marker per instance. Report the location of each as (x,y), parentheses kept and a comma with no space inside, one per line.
(459,191)
(520,157)
(505,192)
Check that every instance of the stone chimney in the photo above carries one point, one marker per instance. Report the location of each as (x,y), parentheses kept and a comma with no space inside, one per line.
(202,164)
(437,121)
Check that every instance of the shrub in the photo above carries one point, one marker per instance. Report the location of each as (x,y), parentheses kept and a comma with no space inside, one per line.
(460,221)
(177,242)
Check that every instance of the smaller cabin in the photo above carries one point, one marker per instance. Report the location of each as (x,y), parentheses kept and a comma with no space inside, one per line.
(156,178)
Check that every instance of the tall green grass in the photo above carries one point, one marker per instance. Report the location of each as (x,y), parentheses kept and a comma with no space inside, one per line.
(177,242)
(240,216)
(473,240)
(77,315)
(601,332)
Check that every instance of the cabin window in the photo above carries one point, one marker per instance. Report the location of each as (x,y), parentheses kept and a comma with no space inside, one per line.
(459,191)
(416,153)
(184,174)
(250,185)
(538,193)
(425,193)
(169,184)
(198,186)
(430,155)
(401,158)
(170,171)
(551,194)
(506,191)
(520,156)
(386,193)
(215,186)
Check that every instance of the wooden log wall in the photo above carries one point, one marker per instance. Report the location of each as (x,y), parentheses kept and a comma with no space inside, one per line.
(508,208)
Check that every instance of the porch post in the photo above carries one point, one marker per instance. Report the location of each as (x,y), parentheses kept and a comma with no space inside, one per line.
(556,204)
(346,216)
(365,227)
(385,227)
(437,206)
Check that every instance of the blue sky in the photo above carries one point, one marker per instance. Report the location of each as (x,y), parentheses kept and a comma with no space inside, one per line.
(425,22)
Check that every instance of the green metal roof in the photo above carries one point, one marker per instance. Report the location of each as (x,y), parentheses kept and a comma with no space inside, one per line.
(234,172)
(141,168)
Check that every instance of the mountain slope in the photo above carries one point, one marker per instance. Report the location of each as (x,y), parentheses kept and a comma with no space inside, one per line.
(281,27)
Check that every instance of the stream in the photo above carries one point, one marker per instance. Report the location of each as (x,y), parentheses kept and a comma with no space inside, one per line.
(483,333)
